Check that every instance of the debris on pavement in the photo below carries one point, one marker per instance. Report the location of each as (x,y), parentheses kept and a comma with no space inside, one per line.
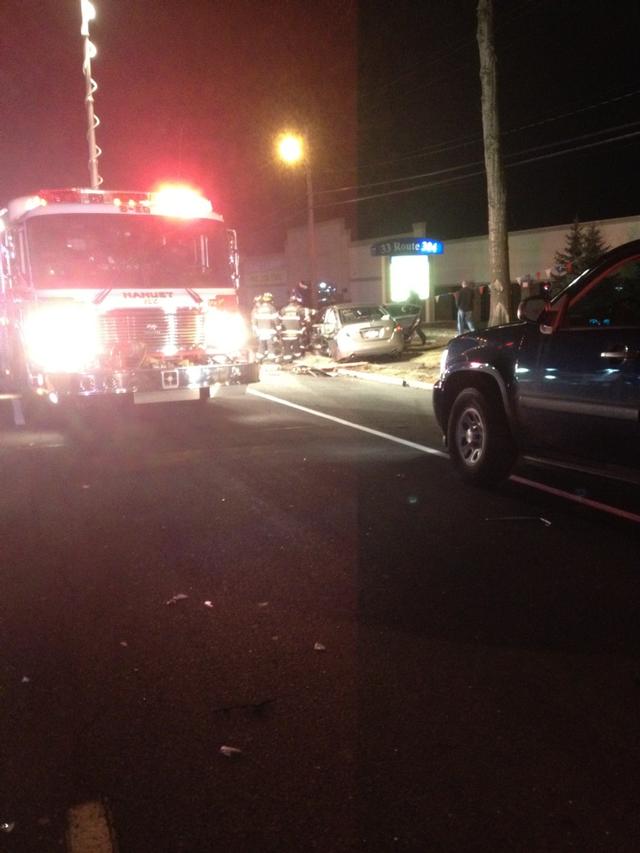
(25,679)
(7,825)
(254,707)
(263,604)
(307,370)
(208,603)
(179,597)
(539,518)
(319,647)
(230,751)
(124,644)
(417,366)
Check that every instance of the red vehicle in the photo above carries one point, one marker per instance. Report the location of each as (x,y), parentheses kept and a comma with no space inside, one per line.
(118,293)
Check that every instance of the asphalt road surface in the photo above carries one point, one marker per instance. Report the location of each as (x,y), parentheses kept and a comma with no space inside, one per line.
(403,662)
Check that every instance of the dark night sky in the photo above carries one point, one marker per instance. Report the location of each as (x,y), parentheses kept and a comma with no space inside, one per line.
(197,90)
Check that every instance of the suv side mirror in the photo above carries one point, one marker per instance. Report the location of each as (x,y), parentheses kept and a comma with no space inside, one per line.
(532,308)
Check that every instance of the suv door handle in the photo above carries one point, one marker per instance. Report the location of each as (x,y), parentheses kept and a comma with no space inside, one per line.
(622,354)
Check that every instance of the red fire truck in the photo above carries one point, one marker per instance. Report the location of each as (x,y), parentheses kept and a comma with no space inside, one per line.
(119,293)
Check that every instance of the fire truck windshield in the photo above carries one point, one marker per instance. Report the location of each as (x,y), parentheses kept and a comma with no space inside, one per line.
(112,250)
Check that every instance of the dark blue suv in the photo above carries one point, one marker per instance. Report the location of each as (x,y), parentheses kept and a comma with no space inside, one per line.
(562,385)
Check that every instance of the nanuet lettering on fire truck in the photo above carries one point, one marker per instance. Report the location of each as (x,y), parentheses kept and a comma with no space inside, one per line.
(147,294)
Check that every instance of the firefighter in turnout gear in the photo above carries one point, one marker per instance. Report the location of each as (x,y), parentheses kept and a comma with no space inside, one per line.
(292,328)
(264,320)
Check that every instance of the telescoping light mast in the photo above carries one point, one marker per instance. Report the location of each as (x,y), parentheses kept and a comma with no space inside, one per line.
(88,12)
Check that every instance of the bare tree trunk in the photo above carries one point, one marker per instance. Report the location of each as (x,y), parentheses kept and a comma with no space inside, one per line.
(496,188)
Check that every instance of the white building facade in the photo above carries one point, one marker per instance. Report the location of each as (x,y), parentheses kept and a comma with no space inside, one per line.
(359,276)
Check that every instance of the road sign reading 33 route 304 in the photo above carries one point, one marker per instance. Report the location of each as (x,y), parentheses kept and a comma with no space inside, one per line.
(408,246)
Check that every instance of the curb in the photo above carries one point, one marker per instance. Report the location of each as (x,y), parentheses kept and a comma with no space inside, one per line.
(385,380)
(335,370)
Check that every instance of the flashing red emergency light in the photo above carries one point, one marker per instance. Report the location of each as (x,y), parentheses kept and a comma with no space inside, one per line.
(175,201)
(179,201)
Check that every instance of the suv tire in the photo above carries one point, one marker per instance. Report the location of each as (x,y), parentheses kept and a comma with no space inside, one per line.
(480,442)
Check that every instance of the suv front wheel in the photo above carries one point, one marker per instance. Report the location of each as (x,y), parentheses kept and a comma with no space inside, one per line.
(480,442)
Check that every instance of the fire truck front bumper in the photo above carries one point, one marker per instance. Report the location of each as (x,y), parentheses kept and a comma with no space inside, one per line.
(146,380)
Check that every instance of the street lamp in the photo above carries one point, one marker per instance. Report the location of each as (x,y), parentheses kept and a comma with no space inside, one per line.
(293,148)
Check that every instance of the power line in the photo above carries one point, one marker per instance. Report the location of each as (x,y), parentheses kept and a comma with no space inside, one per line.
(462,142)
(480,172)
(455,179)
(473,164)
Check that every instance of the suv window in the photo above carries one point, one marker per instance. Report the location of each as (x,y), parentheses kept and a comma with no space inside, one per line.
(613,301)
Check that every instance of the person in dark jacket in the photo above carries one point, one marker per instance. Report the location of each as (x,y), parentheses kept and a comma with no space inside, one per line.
(264,321)
(413,300)
(291,328)
(464,301)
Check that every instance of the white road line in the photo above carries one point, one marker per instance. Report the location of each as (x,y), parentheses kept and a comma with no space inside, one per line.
(597,505)
(403,441)
(602,507)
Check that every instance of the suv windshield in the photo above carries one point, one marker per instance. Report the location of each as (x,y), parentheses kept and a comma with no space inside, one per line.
(110,250)
(361,314)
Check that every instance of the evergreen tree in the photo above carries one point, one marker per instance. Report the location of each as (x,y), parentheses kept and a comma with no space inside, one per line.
(583,246)
(593,245)
(568,261)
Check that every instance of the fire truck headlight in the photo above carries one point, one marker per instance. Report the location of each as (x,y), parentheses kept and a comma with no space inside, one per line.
(62,338)
(225,331)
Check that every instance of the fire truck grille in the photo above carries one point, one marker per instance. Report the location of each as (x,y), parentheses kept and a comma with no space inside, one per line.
(153,328)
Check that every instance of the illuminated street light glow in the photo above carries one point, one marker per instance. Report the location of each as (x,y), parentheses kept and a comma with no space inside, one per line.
(291,148)
(88,11)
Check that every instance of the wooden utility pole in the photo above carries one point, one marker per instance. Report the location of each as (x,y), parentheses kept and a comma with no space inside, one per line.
(496,188)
